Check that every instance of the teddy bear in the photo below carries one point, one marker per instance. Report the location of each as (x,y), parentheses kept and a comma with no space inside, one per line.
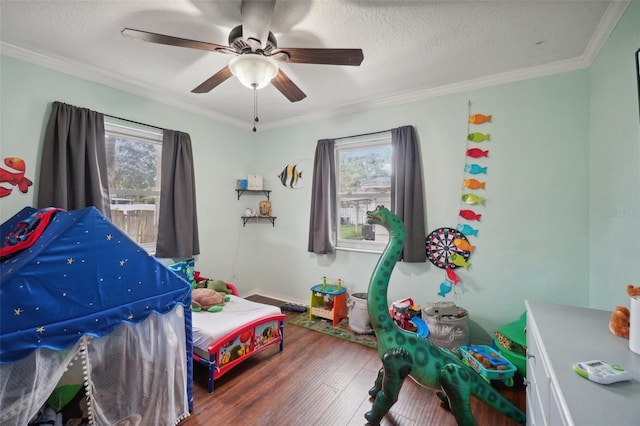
(619,321)
(207,299)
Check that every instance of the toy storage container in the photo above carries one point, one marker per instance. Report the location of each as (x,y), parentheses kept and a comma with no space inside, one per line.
(496,367)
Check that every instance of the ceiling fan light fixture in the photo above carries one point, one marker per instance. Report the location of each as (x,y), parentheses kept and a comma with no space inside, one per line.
(253,70)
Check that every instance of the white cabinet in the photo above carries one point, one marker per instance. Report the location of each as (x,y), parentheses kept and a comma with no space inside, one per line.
(559,336)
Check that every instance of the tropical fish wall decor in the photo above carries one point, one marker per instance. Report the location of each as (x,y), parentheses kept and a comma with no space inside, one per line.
(475,169)
(290,176)
(14,177)
(478,137)
(467,230)
(477,153)
(472,199)
(479,118)
(473,184)
(469,215)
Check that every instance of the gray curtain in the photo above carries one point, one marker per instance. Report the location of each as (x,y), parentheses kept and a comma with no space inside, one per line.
(323,231)
(178,221)
(406,191)
(73,171)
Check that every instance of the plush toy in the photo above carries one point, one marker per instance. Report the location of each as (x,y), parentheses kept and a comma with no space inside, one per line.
(207,299)
(218,285)
(619,321)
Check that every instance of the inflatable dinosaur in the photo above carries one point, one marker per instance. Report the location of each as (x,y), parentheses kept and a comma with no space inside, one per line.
(404,353)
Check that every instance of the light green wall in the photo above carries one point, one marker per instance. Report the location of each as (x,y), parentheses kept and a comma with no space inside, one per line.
(614,162)
(220,151)
(531,243)
(564,149)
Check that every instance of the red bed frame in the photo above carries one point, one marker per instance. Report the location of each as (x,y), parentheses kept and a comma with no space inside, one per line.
(260,334)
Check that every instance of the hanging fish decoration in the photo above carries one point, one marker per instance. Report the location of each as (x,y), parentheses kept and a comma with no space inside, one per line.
(473,184)
(478,137)
(472,199)
(466,229)
(458,260)
(477,153)
(445,287)
(451,276)
(475,169)
(479,118)
(469,215)
(464,245)
(290,176)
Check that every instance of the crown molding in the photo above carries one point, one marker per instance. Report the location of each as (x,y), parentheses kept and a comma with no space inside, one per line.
(612,15)
(100,76)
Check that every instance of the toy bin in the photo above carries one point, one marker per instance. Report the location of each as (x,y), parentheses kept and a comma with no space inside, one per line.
(358,308)
(448,325)
(489,363)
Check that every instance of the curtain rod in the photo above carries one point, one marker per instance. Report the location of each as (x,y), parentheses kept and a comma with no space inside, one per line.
(134,122)
(364,134)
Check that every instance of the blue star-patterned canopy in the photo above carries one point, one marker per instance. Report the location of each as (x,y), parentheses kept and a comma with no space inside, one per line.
(82,275)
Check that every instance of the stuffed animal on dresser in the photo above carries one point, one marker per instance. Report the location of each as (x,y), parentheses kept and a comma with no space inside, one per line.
(619,321)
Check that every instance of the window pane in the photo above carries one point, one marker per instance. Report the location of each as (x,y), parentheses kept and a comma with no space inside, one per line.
(364,181)
(133,166)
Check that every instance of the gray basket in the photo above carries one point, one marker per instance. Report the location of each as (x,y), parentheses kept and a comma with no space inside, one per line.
(449,332)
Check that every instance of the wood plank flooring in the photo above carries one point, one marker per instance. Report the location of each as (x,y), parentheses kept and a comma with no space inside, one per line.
(318,380)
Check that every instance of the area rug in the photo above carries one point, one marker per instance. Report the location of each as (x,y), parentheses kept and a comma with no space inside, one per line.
(341,330)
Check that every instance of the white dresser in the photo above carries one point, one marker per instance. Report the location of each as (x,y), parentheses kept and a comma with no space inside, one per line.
(559,336)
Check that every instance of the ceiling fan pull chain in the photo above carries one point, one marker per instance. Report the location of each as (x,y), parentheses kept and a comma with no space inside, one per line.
(255,108)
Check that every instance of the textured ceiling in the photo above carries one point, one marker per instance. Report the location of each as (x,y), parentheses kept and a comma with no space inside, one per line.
(412,49)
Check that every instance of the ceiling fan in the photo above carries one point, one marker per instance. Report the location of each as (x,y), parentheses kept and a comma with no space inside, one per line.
(256,52)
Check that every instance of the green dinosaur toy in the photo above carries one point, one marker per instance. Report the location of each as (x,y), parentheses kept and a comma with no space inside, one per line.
(404,353)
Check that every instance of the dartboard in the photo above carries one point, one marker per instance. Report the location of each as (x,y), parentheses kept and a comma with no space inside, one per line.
(440,247)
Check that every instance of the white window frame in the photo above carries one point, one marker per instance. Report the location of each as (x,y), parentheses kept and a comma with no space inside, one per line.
(138,132)
(354,143)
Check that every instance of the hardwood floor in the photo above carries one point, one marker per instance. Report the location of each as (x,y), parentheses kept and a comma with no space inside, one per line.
(318,380)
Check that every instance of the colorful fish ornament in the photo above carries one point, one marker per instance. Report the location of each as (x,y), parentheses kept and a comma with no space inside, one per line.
(14,177)
(478,137)
(463,244)
(469,215)
(472,199)
(477,153)
(445,287)
(458,260)
(290,176)
(479,118)
(473,184)
(475,169)
(451,276)
(467,230)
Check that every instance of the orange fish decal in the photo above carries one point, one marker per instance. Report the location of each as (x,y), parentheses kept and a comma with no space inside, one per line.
(14,177)
(463,244)
(479,119)
(473,184)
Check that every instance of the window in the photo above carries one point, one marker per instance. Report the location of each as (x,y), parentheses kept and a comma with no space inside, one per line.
(134,154)
(363,168)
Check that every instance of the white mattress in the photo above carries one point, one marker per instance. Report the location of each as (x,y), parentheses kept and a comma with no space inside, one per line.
(211,326)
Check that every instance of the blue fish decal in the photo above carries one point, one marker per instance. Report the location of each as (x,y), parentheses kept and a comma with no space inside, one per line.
(290,175)
(445,287)
(475,169)
(467,230)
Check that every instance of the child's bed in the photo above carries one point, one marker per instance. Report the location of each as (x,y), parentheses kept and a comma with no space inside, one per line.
(222,340)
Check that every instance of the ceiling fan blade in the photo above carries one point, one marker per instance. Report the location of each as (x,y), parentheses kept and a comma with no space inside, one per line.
(213,81)
(321,56)
(288,88)
(174,41)
(256,20)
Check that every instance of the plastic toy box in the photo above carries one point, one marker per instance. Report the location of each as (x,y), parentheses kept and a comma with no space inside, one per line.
(495,367)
